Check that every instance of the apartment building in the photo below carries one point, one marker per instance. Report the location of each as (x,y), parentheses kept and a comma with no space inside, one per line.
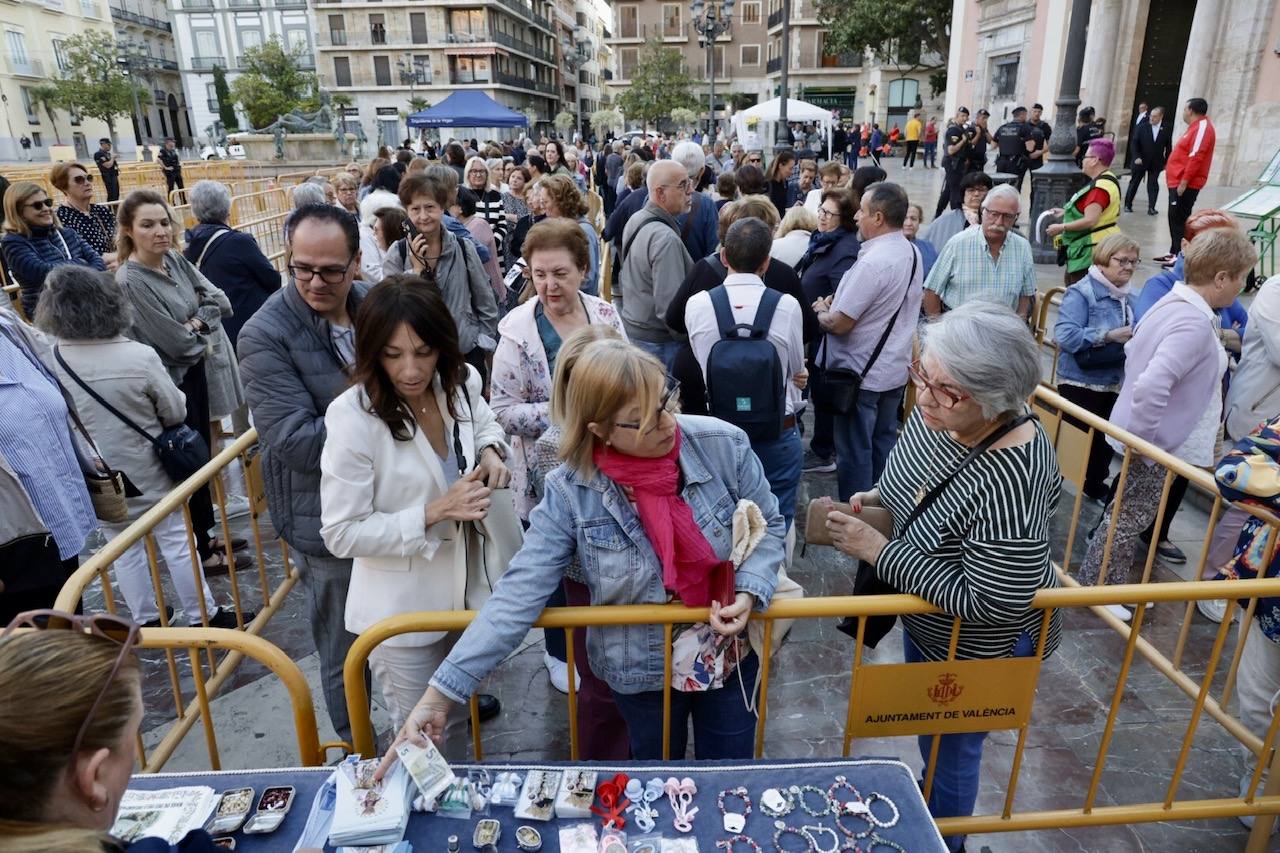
(594,22)
(211,33)
(34,33)
(144,34)
(747,60)
(386,55)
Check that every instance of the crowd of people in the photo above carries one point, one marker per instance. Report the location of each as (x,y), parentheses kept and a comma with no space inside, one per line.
(454,412)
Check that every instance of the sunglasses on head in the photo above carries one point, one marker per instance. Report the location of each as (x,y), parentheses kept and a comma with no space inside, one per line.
(105,625)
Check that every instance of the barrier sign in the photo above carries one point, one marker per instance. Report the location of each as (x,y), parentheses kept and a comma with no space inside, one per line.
(943,698)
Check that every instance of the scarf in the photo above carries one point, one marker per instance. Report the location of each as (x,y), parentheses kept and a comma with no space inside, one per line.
(819,241)
(1120,293)
(690,568)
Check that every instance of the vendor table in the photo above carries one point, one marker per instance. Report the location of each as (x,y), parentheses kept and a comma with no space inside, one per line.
(915,831)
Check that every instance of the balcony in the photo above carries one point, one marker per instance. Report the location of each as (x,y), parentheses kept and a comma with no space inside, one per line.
(167,64)
(197,4)
(775,18)
(307,61)
(90,9)
(206,63)
(520,44)
(245,4)
(27,67)
(462,78)
(337,38)
(291,4)
(773,66)
(141,20)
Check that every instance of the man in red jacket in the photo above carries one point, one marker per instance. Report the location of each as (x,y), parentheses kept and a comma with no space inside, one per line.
(1187,171)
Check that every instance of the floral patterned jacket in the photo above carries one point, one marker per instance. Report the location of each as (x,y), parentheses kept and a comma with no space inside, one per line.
(521,387)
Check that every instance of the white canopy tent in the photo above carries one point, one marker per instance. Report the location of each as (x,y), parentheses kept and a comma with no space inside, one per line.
(771,111)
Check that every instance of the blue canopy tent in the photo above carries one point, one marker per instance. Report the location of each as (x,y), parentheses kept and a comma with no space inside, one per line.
(468,109)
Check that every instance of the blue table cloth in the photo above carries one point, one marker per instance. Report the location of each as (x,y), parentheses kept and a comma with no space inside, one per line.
(915,831)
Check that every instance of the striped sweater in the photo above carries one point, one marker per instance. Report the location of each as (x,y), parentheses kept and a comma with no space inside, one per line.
(981,550)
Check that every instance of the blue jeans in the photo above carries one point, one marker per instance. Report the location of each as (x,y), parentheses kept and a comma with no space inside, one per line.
(782,460)
(955,780)
(664,352)
(722,725)
(864,438)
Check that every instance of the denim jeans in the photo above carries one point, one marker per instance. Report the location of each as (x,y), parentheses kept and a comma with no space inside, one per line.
(664,352)
(782,460)
(955,779)
(722,725)
(864,438)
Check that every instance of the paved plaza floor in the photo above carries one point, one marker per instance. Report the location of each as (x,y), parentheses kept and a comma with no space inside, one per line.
(810,686)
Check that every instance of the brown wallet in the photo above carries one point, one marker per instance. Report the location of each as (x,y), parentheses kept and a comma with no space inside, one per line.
(815,523)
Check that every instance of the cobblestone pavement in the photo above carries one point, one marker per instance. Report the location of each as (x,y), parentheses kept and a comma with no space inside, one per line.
(810,685)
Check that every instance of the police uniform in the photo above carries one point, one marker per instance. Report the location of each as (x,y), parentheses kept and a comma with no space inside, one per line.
(1041,131)
(954,165)
(1011,144)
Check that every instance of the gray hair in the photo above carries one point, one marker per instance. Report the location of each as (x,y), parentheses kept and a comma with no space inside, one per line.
(82,304)
(617,145)
(690,155)
(989,352)
(307,193)
(1003,191)
(210,201)
(318,180)
(659,171)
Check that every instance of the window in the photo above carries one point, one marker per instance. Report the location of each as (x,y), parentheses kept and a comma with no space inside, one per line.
(17,47)
(60,53)
(377,29)
(36,139)
(671,25)
(350,119)
(1005,79)
(751,14)
(337,30)
(29,104)
(848,59)
(629,22)
(471,69)
(341,71)
(422,69)
(719,59)
(903,93)
(418,27)
(628,58)
(250,38)
(382,70)
(749,54)
(468,25)
(74,115)
(206,44)
(295,38)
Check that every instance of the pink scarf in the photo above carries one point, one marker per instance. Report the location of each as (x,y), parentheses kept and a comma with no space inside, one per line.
(690,568)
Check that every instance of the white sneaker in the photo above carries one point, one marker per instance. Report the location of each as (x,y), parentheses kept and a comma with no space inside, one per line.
(1213,610)
(1119,611)
(237,506)
(558,672)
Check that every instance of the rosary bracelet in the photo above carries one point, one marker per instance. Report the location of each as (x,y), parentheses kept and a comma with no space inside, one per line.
(827,805)
(777,802)
(727,844)
(734,822)
(810,831)
(782,829)
(876,796)
(876,841)
(840,784)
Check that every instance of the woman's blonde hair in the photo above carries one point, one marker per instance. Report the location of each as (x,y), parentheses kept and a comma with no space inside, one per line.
(1111,244)
(125,216)
(466,172)
(570,351)
(563,193)
(62,671)
(1218,250)
(346,179)
(797,219)
(15,199)
(758,206)
(609,376)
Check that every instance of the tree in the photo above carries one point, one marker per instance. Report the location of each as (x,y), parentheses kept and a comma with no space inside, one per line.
(660,84)
(564,121)
(226,107)
(46,96)
(858,26)
(683,118)
(417,102)
(604,121)
(274,83)
(93,84)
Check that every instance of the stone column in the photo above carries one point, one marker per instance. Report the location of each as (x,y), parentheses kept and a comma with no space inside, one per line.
(1198,64)
(1099,74)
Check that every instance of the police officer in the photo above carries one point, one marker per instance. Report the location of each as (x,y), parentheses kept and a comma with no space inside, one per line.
(1041,130)
(979,139)
(955,158)
(1014,144)
(1087,130)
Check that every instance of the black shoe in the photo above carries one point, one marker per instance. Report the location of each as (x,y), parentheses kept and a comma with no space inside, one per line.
(216,563)
(226,618)
(1151,211)
(489,707)
(155,623)
(1128,209)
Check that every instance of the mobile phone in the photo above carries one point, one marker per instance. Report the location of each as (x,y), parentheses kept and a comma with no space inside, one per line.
(409,230)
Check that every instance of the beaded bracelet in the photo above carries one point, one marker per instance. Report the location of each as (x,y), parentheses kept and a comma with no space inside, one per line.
(842,783)
(734,822)
(876,796)
(782,829)
(728,843)
(871,827)
(810,831)
(876,841)
(777,802)
(801,790)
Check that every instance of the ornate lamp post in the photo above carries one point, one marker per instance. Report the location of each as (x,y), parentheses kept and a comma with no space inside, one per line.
(133,60)
(575,55)
(409,77)
(710,21)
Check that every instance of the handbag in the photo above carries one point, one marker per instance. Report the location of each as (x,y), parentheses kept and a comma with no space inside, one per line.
(836,389)
(108,488)
(181,450)
(1100,358)
(867,582)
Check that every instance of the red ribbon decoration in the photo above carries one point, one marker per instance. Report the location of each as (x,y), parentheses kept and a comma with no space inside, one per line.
(613,801)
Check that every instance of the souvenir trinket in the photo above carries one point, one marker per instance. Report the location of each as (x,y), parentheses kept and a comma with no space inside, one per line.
(487,833)
(576,795)
(538,796)
(528,838)
(273,805)
(734,822)
(232,810)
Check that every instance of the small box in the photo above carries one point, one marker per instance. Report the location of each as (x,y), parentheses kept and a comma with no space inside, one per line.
(538,797)
(273,805)
(233,807)
(577,794)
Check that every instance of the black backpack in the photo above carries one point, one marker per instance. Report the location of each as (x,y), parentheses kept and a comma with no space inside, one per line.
(744,375)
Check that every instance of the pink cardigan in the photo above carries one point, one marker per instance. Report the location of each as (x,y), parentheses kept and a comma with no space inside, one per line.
(1171,369)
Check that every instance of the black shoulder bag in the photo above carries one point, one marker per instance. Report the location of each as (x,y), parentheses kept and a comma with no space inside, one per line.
(836,389)
(181,450)
(867,582)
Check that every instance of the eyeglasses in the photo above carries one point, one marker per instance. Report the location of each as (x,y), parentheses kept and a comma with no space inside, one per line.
(684,186)
(82,179)
(755,160)
(945,397)
(824,213)
(1124,262)
(1000,216)
(670,403)
(329,275)
(105,625)
(48,202)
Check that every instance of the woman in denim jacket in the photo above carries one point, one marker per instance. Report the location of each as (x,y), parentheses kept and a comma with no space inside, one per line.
(636,476)
(1096,317)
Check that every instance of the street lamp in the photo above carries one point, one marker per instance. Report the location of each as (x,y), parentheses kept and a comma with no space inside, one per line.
(575,56)
(710,21)
(134,62)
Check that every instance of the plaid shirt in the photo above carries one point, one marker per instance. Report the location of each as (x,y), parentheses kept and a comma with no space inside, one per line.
(966,271)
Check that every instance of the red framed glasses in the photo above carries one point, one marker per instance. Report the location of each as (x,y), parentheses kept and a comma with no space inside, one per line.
(114,628)
(945,397)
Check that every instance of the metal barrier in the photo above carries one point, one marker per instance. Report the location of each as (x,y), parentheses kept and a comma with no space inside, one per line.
(236,644)
(1069,441)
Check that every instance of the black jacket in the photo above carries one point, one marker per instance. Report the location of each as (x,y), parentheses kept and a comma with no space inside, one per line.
(1153,150)
(236,265)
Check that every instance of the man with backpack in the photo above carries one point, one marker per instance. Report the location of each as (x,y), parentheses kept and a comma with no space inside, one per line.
(870,323)
(749,343)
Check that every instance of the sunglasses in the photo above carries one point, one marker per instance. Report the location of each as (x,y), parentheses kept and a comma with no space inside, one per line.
(114,628)
(670,403)
(48,202)
(946,398)
(82,179)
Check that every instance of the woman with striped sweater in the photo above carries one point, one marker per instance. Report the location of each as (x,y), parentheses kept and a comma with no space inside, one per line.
(971,485)
(488,201)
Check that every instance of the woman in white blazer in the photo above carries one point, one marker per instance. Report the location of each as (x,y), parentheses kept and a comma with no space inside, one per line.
(412,450)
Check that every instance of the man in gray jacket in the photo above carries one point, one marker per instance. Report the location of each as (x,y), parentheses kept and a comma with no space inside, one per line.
(655,261)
